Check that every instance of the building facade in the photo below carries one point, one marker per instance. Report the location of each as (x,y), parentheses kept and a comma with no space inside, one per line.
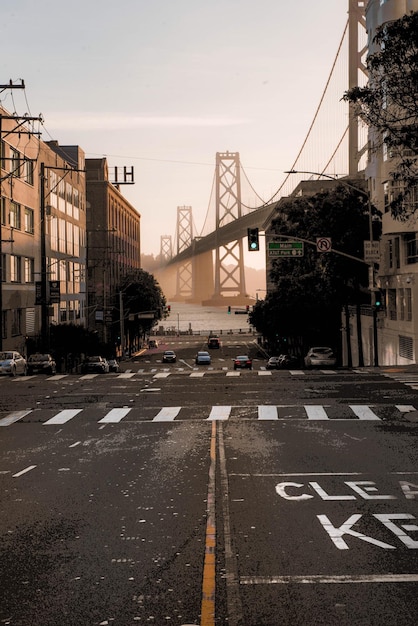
(43,222)
(19,233)
(397,276)
(113,241)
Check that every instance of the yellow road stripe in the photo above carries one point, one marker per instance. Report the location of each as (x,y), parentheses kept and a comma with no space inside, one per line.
(209,566)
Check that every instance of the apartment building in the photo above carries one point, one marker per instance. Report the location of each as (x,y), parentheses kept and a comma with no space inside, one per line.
(42,234)
(397,276)
(113,241)
(19,232)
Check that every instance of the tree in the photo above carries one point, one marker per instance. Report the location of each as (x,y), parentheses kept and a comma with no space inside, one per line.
(140,293)
(310,292)
(389,104)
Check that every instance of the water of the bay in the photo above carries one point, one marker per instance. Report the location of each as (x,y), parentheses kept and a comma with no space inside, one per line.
(196,319)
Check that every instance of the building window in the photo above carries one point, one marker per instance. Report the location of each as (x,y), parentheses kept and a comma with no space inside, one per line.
(392,311)
(15,269)
(408,304)
(29,168)
(4,325)
(16,322)
(29,270)
(15,162)
(14,215)
(3,268)
(394,253)
(411,253)
(28,221)
(3,211)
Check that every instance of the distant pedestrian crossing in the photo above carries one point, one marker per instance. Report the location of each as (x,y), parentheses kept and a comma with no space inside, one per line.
(408,379)
(192,372)
(116,415)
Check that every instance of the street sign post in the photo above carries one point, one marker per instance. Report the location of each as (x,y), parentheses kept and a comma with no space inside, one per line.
(285,248)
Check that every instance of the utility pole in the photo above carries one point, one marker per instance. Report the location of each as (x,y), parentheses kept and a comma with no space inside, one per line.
(44,284)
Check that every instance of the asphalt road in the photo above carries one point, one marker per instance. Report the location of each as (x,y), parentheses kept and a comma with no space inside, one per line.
(176,494)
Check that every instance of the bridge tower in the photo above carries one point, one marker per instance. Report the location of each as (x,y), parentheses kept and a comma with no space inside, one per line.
(229,259)
(166,248)
(184,229)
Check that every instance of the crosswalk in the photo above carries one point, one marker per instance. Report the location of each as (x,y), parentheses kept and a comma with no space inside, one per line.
(193,372)
(311,412)
(410,380)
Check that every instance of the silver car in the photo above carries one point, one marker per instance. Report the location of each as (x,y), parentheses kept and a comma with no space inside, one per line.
(12,363)
(202,358)
(321,356)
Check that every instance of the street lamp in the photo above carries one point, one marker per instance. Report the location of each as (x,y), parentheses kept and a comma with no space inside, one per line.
(371,264)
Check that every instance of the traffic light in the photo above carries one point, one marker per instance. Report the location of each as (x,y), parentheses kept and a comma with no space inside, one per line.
(378,301)
(247,308)
(253,242)
(229,310)
(169,308)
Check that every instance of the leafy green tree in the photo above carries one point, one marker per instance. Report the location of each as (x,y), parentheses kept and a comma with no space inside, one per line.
(140,293)
(305,306)
(389,104)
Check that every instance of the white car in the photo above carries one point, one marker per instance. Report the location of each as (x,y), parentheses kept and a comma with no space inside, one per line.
(321,356)
(12,363)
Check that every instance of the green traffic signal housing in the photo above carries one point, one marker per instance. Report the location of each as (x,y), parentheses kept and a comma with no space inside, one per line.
(253,240)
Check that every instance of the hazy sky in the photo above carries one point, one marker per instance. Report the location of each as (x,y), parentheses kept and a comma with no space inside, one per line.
(162,85)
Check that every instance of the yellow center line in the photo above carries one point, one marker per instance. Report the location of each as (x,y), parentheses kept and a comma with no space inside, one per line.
(209,566)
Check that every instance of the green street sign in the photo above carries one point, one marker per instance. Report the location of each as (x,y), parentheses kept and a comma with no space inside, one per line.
(285,248)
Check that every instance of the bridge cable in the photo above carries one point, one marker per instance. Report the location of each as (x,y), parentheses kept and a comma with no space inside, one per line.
(313,121)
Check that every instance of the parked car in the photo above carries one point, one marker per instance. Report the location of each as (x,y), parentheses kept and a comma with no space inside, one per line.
(274,363)
(214,342)
(12,363)
(320,356)
(95,365)
(203,358)
(113,365)
(243,362)
(282,361)
(169,356)
(41,364)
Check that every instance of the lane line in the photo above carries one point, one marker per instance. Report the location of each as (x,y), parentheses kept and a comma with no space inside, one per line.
(207,612)
(234,605)
(322,579)
(27,469)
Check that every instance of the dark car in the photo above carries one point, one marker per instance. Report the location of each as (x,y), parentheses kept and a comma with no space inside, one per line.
(169,356)
(95,365)
(243,362)
(214,342)
(41,364)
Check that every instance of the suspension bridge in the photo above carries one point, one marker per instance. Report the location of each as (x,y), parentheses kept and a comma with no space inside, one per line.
(207,265)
